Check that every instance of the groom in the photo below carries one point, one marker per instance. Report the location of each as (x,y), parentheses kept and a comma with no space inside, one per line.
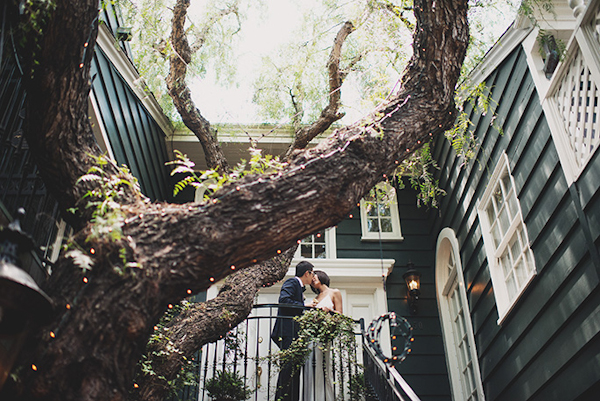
(286,329)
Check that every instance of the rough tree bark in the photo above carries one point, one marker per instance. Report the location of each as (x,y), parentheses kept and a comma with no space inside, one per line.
(330,113)
(180,92)
(101,327)
(240,289)
(207,322)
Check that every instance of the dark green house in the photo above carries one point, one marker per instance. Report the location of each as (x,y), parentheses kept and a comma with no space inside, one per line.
(515,261)
(509,305)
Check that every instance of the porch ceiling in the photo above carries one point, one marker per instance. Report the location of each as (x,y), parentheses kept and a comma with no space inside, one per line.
(235,141)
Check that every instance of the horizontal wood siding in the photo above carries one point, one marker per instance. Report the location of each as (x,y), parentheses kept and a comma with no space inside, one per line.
(425,367)
(135,138)
(547,347)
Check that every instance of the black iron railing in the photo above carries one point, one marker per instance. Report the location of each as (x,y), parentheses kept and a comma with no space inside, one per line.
(245,353)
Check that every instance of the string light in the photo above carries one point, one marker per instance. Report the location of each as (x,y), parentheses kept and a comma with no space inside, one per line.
(232,267)
(135,385)
(189,291)
(170,306)
(33,367)
(68,306)
(212,279)
(279,251)
(52,334)
(85,280)
(92,251)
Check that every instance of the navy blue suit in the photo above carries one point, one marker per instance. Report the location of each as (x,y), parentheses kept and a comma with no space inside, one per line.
(284,332)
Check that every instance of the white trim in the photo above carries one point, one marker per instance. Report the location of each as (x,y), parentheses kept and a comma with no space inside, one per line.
(396,234)
(447,243)
(330,245)
(564,25)
(498,53)
(504,304)
(103,140)
(107,42)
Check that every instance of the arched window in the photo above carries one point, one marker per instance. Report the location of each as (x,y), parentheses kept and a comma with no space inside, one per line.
(461,355)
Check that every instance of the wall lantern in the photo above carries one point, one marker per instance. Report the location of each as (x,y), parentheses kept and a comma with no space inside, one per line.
(23,306)
(413,283)
(551,52)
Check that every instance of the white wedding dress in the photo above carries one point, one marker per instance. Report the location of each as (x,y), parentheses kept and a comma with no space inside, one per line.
(318,379)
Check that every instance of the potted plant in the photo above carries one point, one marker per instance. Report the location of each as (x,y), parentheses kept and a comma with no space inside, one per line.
(227,386)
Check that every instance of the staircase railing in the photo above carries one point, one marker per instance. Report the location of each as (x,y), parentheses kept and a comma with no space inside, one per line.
(246,351)
(384,380)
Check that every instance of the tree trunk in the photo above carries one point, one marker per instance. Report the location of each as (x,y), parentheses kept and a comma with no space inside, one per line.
(241,287)
(99,337)
(207,322)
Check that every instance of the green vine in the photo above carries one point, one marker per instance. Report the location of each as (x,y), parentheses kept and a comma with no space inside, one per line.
(547,40)
(227,386)
(419,170)
(210,181)
(329,331)
(107,215)
(161,346)
(528,9)
(36,16)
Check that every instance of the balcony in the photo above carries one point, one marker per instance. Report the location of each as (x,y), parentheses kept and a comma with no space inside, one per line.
(247,356)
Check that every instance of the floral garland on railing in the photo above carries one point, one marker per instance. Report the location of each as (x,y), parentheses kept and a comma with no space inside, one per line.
(330,332)
(320,327)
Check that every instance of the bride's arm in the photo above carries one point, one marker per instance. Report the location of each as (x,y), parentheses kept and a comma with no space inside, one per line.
(337,301)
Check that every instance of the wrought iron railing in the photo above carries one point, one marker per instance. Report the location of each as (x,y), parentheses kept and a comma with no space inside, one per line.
(246,354)
(382,378)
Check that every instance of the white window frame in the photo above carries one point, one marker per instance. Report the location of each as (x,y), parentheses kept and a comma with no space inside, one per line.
(330,245)
(396,234)
(449,284)
(504,302)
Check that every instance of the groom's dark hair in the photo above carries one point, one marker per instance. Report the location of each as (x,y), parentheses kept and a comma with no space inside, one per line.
(303,267)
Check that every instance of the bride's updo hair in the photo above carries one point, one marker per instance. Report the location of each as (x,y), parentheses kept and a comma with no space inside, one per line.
(323,278)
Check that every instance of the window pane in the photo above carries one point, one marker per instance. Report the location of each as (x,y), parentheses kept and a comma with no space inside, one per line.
(491,214)
(511,287)
(505,263)
(320,251)
(515,246)
(496,235)
(504,220)
(371,210)
(306,251)
(506,184)
(386,225)
(384,210)
(499,198)
(372,225)
(512,204)
(521,273)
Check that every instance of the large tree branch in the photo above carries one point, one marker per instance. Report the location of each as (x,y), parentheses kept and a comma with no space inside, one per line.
(330,113)
(100,336)
(58,129)
(206,322)
(181,94)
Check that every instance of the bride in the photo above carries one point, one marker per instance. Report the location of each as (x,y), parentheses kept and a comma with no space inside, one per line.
(317,379)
